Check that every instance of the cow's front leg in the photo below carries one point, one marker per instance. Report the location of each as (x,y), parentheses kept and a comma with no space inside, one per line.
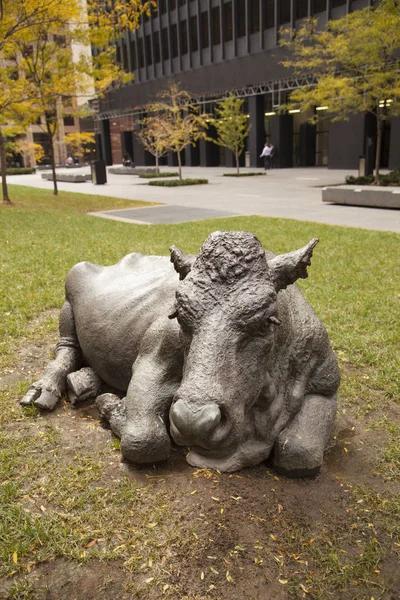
(300,447)
(46,392)
(156,376)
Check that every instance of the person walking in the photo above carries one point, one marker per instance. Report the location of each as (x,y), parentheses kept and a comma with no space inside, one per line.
(266,154)
(271,156)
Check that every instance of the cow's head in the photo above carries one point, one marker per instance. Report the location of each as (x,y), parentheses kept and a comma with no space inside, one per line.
(226,306)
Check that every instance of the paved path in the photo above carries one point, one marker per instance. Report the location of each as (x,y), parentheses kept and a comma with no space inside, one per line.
(287,193)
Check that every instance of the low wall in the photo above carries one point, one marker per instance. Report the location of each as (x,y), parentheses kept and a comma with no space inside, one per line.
(356,195)
(68,177)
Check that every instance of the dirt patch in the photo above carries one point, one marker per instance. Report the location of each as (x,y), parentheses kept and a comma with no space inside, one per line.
(250,535)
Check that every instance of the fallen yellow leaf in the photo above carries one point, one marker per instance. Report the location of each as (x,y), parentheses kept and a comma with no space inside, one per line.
(15,558)
(214,570)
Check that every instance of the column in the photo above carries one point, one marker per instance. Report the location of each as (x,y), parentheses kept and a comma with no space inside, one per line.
(282,140)
(106,141)
(346,142)
(394,151)
(256,138)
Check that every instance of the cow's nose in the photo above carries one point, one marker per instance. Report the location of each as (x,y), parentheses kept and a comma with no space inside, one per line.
(193,426)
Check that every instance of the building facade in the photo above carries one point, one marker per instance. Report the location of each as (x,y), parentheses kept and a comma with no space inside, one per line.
(212,47)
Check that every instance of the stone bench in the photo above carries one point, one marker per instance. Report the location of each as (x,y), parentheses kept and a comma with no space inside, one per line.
(357,195)
(131,170)
(68,177)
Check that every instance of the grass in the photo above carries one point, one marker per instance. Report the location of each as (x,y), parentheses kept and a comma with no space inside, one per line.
(177,182)
(158,175)
(64,495)
(242,174)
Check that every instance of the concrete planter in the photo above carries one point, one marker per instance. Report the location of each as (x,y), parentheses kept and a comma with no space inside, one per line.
(68,177)
(357,195)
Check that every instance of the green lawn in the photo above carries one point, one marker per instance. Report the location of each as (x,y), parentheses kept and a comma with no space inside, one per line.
(354,286)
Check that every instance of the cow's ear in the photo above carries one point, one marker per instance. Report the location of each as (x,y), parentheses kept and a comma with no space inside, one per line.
(287,268)
(182,262)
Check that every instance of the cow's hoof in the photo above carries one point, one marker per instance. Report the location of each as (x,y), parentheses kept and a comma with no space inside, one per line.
(148,444)
(47,400)
(295,457)
(30,396)
(41,397)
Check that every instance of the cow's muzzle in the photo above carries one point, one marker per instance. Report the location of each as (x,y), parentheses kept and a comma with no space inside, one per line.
(196,427)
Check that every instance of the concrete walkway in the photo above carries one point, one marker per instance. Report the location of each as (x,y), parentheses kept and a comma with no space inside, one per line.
(287,193)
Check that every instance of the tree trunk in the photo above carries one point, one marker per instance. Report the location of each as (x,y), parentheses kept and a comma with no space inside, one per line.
(378,146)
(157,167)
(3,162)
(53,162)
(237,162)
(180,165)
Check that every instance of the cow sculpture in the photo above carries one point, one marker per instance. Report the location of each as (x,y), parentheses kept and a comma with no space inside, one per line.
(224,360)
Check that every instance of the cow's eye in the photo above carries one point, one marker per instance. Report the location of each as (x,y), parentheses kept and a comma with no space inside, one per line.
(262,327)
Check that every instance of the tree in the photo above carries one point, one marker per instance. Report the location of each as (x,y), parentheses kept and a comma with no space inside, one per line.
(153,136)
(80,142)
(38,35)
(31,151)
(47,60)
(355,62)
(232,126)
(16,18)
(178,118)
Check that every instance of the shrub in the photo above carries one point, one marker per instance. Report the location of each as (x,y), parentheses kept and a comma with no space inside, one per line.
(177,182)
(20,171)
(242,174)
(392,178)
(159,175)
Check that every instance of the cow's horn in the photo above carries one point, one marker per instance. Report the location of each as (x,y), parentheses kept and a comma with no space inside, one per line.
(182,262)
(287,268)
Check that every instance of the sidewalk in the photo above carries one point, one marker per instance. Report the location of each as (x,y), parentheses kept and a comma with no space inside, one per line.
(287,193)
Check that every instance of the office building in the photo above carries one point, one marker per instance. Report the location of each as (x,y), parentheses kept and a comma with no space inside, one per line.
(212,47)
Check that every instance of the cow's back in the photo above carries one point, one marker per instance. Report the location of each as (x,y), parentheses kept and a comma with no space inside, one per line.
(113,308)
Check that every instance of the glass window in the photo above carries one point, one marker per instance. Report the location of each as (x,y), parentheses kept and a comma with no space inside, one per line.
(172,4)
(164,41)
(254,9)
(269,14)
(182,2)
(132,52)
(149,55)
(216,25)
(205,41)
(140,53)
(118,57)
(125,59)
(156,39)
(336,3)
(69,121)
(284,11)
(228,21)
(318,6)
(184,37)
(241,18)
(301,9)
(60,40)
(174,40)
(162,6)
(194,40)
